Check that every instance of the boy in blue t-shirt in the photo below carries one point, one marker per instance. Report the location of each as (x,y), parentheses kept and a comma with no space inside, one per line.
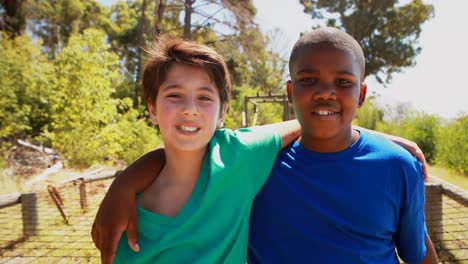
(125,187)
(338,194)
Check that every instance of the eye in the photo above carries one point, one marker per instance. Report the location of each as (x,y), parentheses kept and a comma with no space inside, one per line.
(307,80)
(205,98)
(174,96)
(344,82)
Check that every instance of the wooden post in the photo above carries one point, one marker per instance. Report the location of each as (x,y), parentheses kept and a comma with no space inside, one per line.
(29,213)
(83,200)
(246,110)
(433,210)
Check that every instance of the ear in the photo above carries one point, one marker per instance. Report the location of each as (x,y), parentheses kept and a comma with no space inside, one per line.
(152,112)
(362,94)
(289,90)
(222,115)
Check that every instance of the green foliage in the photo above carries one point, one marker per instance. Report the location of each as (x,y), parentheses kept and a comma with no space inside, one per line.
(82,107)
(251,63)
(421,128)
(369,115)
(267,112)
(387,31)
(89,125)
(56,20)
(24,75)
(130,137)
(452,145)
(12,17)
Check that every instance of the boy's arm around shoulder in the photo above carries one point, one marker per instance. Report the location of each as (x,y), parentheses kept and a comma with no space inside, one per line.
(117,211)
(288,130)
(409,145)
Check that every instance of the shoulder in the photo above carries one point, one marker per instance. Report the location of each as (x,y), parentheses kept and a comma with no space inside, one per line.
(249,136)
(381,148)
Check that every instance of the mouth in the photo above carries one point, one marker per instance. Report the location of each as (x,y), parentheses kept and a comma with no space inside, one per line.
(188,129)
(324,113)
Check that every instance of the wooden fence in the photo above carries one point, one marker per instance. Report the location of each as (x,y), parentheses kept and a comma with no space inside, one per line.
(56,224)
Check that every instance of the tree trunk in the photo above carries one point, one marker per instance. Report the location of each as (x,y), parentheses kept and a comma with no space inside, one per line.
(141,45)
(188,19)
(159,11)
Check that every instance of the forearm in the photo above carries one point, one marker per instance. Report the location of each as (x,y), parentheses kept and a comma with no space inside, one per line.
(431,255)
(289,131)
(141,173)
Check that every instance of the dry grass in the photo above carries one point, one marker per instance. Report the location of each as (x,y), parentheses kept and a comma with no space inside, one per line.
(450,176)
(56,242)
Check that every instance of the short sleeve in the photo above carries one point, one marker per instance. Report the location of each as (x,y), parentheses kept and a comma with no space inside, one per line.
(412,232)
(251,153)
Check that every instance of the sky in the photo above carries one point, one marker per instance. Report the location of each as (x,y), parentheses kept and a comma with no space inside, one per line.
(436,85)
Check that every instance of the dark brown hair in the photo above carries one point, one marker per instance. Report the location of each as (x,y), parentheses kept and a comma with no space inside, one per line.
(166,52)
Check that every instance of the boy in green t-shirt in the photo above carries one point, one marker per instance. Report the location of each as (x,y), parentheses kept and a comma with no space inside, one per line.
(197,209)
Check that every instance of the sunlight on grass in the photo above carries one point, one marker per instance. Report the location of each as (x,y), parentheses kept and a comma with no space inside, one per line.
(8,184)
(450,176)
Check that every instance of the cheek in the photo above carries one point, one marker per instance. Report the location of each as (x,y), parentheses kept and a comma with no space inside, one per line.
(301,97)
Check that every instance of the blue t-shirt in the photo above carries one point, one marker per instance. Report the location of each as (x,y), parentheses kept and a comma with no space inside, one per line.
(353,206)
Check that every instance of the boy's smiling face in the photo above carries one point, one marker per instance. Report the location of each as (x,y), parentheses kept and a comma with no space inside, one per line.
(325,91)
(187,108)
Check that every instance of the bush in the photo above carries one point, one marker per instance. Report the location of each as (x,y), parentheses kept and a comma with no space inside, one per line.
(452,145)
(421,128)
(369,115)
(130,137)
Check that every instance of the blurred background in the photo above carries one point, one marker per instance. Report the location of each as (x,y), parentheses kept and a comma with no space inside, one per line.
(71,99)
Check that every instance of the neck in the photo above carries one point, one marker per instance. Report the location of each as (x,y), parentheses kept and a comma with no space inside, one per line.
(336,143)
(183,166)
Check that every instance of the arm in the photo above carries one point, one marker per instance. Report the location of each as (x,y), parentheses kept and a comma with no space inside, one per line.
(409,145)
(431,255)
(289,131)
(112,220)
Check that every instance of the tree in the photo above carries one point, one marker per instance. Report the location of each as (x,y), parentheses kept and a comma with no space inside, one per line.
(251,62)
(387,31)
(56,20)
(241,41)
(82,105)
(25,76)
(88,124)
(12,17)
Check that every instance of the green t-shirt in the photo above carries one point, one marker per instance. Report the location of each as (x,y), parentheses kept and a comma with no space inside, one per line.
(212,227)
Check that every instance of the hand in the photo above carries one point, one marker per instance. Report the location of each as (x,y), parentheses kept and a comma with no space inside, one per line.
(414,149)
(116,214)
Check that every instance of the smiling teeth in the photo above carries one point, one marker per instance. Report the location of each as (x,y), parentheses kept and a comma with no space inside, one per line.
(324,113)
(188,129)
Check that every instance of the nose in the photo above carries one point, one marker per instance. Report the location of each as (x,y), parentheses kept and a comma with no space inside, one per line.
(325,91)
(190,106)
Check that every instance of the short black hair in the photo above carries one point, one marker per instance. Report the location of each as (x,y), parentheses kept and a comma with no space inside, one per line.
(329,36)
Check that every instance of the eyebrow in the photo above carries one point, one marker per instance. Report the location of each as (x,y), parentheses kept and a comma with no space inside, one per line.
(309,70)
(203,88)
(306,70)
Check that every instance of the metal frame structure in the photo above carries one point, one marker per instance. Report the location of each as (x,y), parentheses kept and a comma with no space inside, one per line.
(268,98)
